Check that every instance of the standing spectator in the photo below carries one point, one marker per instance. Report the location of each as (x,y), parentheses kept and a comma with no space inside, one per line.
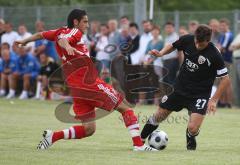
(2,28)
(144,40)
(23,33)
(28,69)
(155,43)
(135,38)
(192,26)
(47,68)
(123,22)
(225,41)
(214,25)
(102,55)
(9,36)
(182,31)
(44,46)
(114,37)
(93,37)
(7,68)
(171,61)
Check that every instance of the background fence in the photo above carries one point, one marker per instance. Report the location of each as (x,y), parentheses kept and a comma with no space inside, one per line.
(55,16)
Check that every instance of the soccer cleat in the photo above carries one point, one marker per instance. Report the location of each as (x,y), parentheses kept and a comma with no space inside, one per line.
(191,142)
(144,148)
(46,141)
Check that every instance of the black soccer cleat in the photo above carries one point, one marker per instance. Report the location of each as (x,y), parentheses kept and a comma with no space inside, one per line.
(191,141)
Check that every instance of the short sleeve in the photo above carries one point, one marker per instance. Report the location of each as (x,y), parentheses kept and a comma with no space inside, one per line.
(181,42)
(73,36)
(219,65)
(49,35)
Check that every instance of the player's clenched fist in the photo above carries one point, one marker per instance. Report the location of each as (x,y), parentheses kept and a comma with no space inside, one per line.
(20,43)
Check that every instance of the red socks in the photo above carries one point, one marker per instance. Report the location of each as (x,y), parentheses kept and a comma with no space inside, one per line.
(131,123)
(75,132)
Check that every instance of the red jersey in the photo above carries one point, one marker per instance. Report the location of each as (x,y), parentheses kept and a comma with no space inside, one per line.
(74,37)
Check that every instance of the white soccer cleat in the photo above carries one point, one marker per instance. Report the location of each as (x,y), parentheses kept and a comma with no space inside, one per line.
(10,96)
(144,148)
(46,141)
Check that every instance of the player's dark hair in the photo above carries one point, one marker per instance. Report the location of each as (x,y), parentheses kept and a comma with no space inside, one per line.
(203,33)
(133,24)
(75,14)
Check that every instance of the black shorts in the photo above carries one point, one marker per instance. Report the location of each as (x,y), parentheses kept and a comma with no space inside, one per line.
(176,102)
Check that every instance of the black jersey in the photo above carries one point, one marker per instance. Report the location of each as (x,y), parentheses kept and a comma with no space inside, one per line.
(199,68)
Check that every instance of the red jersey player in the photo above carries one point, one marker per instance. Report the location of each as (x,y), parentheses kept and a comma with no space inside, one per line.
(88,91)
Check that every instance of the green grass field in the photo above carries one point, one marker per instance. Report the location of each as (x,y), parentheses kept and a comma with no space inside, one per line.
(22,123)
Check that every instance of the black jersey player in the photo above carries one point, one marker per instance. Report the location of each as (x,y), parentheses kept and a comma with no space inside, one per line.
(202,64)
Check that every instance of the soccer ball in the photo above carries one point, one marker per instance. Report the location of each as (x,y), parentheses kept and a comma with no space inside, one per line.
(158,140)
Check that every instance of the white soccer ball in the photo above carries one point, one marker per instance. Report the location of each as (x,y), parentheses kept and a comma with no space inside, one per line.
(158,140)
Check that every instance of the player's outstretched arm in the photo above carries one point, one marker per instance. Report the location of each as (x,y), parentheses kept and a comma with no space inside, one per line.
(166,50)
(224,82)
(63,42)
(34,37)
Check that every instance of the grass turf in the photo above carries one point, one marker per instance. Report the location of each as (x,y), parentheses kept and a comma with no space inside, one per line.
(22,123)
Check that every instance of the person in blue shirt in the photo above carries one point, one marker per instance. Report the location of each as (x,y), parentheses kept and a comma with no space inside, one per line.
(44,46)
(28,70)
(225,41)
(8,66)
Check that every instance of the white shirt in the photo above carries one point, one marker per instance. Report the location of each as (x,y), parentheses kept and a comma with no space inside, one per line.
(169,40)
(10,38)
(30,44)
(101,44)
(138,56)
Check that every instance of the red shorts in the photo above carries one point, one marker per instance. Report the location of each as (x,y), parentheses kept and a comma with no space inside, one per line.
(87,97)
(89,91)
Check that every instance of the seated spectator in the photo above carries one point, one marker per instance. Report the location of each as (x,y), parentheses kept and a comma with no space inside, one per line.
(28,70)
(7,67)
(48,66)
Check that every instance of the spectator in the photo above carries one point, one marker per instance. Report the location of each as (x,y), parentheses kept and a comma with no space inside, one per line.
(144,40)
(44,46)
(123,22)
(28,69)
(225,41)
(135,38)
(93,37)
(170,61)
(7,68)
(47,68)
(192,26)
(214,24)
(23,33)
(157,44)
(9,36)
(102,55)
(182,31)
(114,37)
(2,28)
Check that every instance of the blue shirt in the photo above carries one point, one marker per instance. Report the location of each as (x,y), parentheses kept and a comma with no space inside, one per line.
(10,64)
(225,41)
(28,64)
(50,48)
